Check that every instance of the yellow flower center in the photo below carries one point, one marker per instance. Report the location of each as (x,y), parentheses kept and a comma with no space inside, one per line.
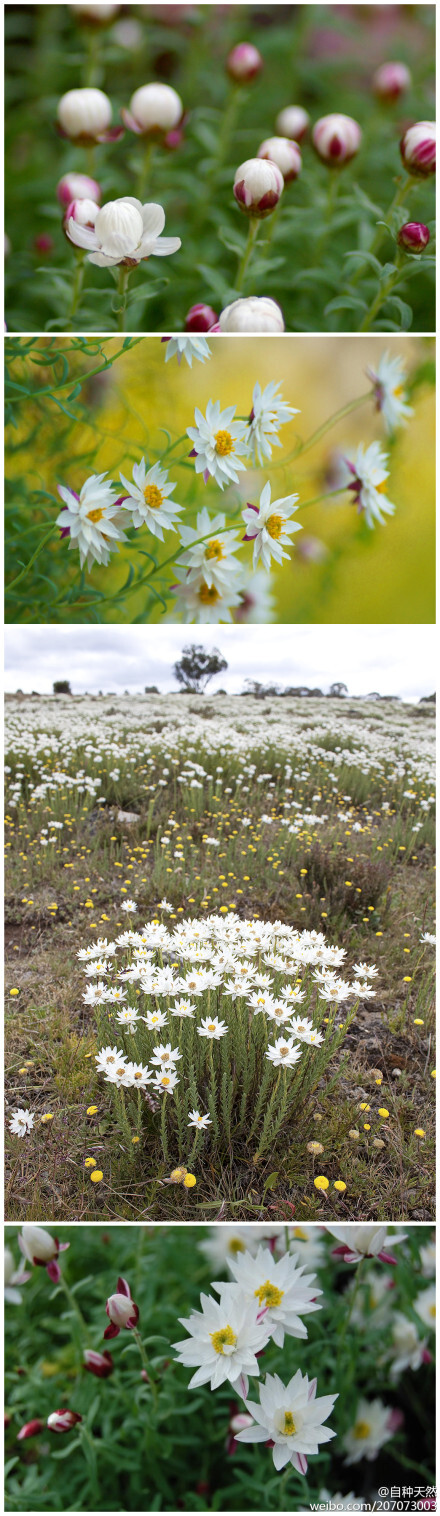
(225,1338)
(208,594)
(284,1052)
(380,488)
(224,443)
(289,1425)
(95,515)
(432,1311)
(153,497)
(278,1010)
(164,1081)
(362,1430)
(211,1026)
(120,1071)
(236,1246)
(268,1294)
(164,1057)
(274,526)
(298,1231)
(398,390)
(214,550)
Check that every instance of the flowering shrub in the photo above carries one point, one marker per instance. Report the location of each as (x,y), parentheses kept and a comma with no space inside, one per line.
(304,1369)
(185,120)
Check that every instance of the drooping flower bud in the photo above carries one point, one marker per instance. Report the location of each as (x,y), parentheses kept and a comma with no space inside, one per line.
(286,155)
(100,1364)
(200,318)
(62,1420)
(244,62)
(257,313)
(293,122)
(154,109)
(77,187)
(417,149)
(121,1310)
(336,139)
(84,115)
(258,185)
(413,237)
(30,1429)
(41,1249)
(391,80)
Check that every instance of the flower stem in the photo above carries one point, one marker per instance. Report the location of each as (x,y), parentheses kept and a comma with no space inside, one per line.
(379,301)
(145,171)
(163,1128)
(75,1308)
(78,279)
(146,1363)
(244,261)
(402,191)
(327,495)
(35,555)
(124,275)
(332,421)
(193,1151)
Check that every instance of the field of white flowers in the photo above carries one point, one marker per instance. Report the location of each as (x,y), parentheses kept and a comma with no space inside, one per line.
(219,957)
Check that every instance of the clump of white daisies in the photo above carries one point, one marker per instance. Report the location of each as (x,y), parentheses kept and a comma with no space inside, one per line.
(222,1020)
(208,581)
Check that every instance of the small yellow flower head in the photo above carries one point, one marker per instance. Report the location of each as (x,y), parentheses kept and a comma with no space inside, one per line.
(178,1175)
(339,1185)
(14,992)
(418,1021)
(407,978)
(418,1131)
(353,1133)
(89,1163)
(433,1073)
(135,1139)
(364,1106)
(315,1147)
(22,1071)
(92,1110)
(96,1176)
(189,1181)
(367,1127)
(48,1116)
(383,1112)
(321,1183)
(317,1116)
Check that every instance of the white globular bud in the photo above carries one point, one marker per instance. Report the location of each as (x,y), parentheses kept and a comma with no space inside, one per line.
(257,313)
(77,187)
(244,62)
(336,139)
(418,149)
(258,185)
(62,1420)
(391,81)
(286,155)
(84,114)
(37,1245)
(154,109)
(95,15)
(119,228)
(121,1311)
(84,212)
(293,121)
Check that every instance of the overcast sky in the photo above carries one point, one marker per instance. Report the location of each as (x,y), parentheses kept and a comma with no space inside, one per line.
(395,660)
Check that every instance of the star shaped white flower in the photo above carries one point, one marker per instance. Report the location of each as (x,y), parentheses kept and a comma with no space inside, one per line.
(284,1053)
(268,526)
(125,231)
(218,443)
(269,412)
(372,1428)
(203,602)
(388,381)
(358,1242)
(225,1338)
(148,499)
(210,561)
(22,1123)
(284,1291)
(93,519)
(187,347)
(291,1418)
(201,1122)
(212,1028)
(368,476)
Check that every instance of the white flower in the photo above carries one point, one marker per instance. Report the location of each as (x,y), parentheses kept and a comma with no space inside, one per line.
(291,1418)
(212,1028)
(22,1123)
(13,1277)
(223,1242)
(418,148)
(428,937)
(407,1351)
(155,1020)
(269,412)
(424,1304)
(358,1242)
(92,519)
(258,185)
(388,381)
(428,1259)
(187,347)
(129,906)
(257,601)
(225,1337)
(148,499)
(268,526)
(183,1008)
(283,1294)
(292,122)
(127,1018)
(201,1122)
(124,231)
(153,108)
(165,1084)
(165,1054)
(218,443)
(337,991)
(369,1432)
(84,114)
(283,152)
(368,483)
(302,1028)
(138,1076)
(109,1058)
(209,561)
(365,971)
(202,603)
(255,313)
(284,1053)
(37,1245)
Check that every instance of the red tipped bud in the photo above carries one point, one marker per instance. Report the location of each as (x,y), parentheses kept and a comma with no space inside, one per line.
(77,187)
(258,185)
(100,1364)
(200,318)
(62,1420)
(336,139)
(417,149)
(391,80)
(30,1429)
(244,63)
(286,155)
(121,1310)
(413,237)
(293,122)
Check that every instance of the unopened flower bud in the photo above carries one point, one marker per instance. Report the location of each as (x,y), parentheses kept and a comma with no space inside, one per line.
(244,62)
(336,139)
(258,185)
(30,1429)
(62,1420)
(41,1249)
(100,1364)
(285,154)
(84,115)
(413,237)
(121,1310)
(44,243)
(153,110)
(77,187)
(200,318)
(417,149)
(293,122)
(95,15)
(257,313)
(84,212)
(391,80)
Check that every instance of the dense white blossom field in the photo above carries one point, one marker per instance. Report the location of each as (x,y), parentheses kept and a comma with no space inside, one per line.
(220,954)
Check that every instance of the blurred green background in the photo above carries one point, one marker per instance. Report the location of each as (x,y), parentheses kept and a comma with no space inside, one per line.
(354,574)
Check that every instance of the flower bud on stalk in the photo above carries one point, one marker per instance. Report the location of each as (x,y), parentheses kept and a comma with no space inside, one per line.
(41,1249)
(62,1420)
(417,149)
(30,1429)
(100,1364)
(121,1310)
(83,212)
(95,15)
(154,110)
(84,115)
(293,122)
(258,185)
(77,187)
(286,155)
(336,139)
(244,62)
(200,318)
(413,237)
(390,81)
(257,313)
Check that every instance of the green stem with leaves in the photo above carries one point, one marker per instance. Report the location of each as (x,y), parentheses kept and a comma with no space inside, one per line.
(35,555)
(379,301)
